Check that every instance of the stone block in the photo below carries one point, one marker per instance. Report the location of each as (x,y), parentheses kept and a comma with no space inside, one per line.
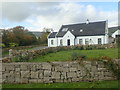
(55,75)
(59,80)
(40,75)
(63,75)
(11,79)
(47,73)
(75,79)
(40,80)
(66,69)
(3,68)
(71,74)
(23,67)
(94,69)
(10,67)
(17,80)
(46,66)
(65,64)
(34,74)
(73,69)
(47,80)
(78,73)
(17,69)
(108,74)
(32,67)
(17,74)
(58,68)
(25,74)
(38,67)
(33,81)
(24,80)
(80,68)
(83,73)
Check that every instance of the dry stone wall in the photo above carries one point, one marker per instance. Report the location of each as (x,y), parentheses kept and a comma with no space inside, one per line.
(50,72)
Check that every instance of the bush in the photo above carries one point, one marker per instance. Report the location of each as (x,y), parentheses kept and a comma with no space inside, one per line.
(78,56)
(2,45)
(13,44)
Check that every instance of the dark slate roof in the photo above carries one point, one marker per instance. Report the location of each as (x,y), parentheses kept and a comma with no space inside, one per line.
(111,30)
(52,35)
(93,28)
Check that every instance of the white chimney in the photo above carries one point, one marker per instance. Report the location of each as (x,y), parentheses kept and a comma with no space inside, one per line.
(87,22)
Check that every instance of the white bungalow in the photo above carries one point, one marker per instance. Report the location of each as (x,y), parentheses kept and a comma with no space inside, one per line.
(113,33)
(84,34)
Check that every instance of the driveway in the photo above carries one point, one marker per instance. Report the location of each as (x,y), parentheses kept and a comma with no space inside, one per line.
(39,48)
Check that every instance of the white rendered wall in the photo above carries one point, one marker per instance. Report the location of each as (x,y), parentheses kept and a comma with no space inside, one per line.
(94,39)
(67,36)
(54,42)
(70,36)
(116,33)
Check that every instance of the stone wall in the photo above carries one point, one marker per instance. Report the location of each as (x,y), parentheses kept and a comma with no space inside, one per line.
(50,72)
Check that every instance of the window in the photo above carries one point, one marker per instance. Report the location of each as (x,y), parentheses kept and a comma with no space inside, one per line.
(99,41)
(61,42)
(51,42)
(64,29)
(80,41)
(87,41)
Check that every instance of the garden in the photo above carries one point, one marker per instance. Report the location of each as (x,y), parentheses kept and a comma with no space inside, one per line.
(88,52)
(71,53)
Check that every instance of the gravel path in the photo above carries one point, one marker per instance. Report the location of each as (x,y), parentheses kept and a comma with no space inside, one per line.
(39,48)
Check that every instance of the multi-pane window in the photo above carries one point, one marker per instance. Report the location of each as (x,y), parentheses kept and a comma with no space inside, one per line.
(80,41)
(87,41)
(99,41)
(51,42)
(61,42)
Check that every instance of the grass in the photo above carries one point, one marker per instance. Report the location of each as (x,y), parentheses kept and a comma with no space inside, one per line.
(97,84)
(66,55)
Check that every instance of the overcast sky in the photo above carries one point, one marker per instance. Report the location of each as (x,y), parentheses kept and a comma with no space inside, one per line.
(37,15)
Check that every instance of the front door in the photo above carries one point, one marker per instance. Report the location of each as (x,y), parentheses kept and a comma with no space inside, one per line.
(68,42)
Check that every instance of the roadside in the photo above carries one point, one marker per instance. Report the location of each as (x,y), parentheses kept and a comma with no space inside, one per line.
(6,54)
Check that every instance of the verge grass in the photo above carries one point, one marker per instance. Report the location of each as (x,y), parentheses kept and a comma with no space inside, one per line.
(66,55)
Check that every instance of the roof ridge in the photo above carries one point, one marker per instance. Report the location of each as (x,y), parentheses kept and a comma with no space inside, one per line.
(82,23)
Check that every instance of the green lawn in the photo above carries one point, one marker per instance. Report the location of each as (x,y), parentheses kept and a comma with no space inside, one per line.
(98,84)
(66,55)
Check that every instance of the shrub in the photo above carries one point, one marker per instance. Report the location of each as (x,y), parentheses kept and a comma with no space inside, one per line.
(13,44)
(77,56)
(2,45)
(114,67)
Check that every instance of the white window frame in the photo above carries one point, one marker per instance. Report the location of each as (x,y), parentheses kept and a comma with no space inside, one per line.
(80,41)
(61,42)
(86,41)
(99,40)
(52,43)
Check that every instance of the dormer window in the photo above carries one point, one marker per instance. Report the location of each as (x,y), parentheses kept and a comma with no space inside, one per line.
(64,29)
(81,30)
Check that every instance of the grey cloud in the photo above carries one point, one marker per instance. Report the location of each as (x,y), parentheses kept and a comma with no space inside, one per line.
(19,11)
